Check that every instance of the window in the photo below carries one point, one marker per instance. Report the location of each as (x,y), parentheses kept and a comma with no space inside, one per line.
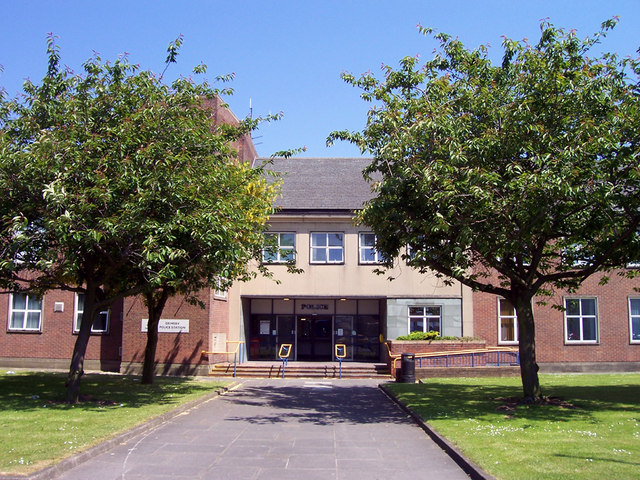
(576,257)
(281,248)
(581,320)
(25,312)
(367,249)
(425,319)
(100,322)
(634,319)
(220,290)
(507,322)
(327,247)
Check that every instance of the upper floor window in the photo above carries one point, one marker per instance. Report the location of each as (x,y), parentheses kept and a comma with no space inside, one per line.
(576,257)
(634,319)
(220,290)
(100,321)
(425,318)
(581,320)
(367,249)
(507,322)
(25,312)
(280,248)
(327,247)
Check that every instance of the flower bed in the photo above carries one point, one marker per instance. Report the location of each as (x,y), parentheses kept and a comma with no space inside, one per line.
(397,347)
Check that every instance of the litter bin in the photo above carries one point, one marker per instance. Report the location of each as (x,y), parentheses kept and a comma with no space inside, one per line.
(407,368)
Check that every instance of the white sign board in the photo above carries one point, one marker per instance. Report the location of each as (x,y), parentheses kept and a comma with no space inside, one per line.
(168,325)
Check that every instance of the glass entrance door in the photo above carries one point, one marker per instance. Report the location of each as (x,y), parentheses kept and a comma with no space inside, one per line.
(344,333)
(314,337)
(286,333)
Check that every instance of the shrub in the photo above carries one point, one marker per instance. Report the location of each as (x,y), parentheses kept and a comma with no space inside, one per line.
(430,335)
(433,335)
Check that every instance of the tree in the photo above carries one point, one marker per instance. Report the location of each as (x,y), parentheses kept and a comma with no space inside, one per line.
(208,241)
(115,183)
(513,179)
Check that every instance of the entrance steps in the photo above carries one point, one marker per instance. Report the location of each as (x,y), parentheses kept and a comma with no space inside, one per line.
(302,370)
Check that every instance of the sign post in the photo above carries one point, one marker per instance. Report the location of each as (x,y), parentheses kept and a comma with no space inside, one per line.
(284,353)
(341,353)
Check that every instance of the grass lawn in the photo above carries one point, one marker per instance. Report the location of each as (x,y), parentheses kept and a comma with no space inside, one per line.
(597,439)
(37,429)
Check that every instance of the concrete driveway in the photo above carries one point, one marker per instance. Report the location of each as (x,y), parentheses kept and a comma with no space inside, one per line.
(280,429)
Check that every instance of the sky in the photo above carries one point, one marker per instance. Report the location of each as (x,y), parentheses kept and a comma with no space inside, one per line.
(287,56)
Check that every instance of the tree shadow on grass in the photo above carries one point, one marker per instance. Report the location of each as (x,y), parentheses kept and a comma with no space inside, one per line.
(25,391)
(438,400)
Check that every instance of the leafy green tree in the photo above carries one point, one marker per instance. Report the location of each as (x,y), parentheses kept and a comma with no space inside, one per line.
(514,179)
(115,183)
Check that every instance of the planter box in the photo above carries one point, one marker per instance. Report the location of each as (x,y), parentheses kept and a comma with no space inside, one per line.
(429,346)
(398,347)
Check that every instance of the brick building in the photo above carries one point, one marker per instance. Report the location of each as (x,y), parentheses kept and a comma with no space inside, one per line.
(596,328)
(338,298)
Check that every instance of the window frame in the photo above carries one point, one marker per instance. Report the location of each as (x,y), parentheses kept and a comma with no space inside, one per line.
(631,318)
(77,317)
(581,317)
(11,310)
(501,341)
(425,318)
(327,248)
(279,249)
(219,292)
(377,256)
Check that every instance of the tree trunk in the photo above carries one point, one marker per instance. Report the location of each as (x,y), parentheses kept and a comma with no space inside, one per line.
(76,369)
(155,305)
(527,347)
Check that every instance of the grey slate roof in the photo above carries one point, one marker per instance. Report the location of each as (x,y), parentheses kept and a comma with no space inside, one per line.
(321,183)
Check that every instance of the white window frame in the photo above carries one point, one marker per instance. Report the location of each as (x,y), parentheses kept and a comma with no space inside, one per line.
(219,292)
(581,317)
(579,263)
(631,319)
(25,313)
(77,317)
(424,317)
(327,248)
(514,317)
(377,257)
(279,249)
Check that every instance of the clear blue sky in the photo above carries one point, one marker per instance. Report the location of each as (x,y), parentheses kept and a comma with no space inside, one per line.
(287,55)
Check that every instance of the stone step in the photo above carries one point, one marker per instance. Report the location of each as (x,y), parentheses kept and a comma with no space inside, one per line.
(294,371)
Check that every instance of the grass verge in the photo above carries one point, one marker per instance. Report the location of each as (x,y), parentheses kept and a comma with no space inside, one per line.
(37,429)
(592,433)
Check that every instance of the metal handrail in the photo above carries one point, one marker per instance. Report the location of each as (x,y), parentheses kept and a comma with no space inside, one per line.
(239,349)
(447,353)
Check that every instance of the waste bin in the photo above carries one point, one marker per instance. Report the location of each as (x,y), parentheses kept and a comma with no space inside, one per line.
(407,368)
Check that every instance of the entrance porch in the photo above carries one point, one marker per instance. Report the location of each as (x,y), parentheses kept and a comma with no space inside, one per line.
(313,326)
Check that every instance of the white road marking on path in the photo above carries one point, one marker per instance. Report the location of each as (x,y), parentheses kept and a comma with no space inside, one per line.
(318,385)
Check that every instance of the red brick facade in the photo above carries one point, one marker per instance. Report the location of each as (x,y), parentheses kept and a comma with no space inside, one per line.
(177,353)
(121,347)
(613,344)
(52,345)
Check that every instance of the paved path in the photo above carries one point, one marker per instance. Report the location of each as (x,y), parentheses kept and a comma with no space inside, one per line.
(281,429)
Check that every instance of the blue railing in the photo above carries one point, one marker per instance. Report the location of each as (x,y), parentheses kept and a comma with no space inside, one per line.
(472,359)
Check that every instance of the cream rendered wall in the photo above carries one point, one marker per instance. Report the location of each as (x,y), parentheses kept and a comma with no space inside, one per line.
(350,279)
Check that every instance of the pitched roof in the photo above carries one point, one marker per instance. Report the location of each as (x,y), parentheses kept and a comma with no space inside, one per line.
(320,183)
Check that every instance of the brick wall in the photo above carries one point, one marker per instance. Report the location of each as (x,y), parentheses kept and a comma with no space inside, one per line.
(56,339)
(613,323)
(177,353)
